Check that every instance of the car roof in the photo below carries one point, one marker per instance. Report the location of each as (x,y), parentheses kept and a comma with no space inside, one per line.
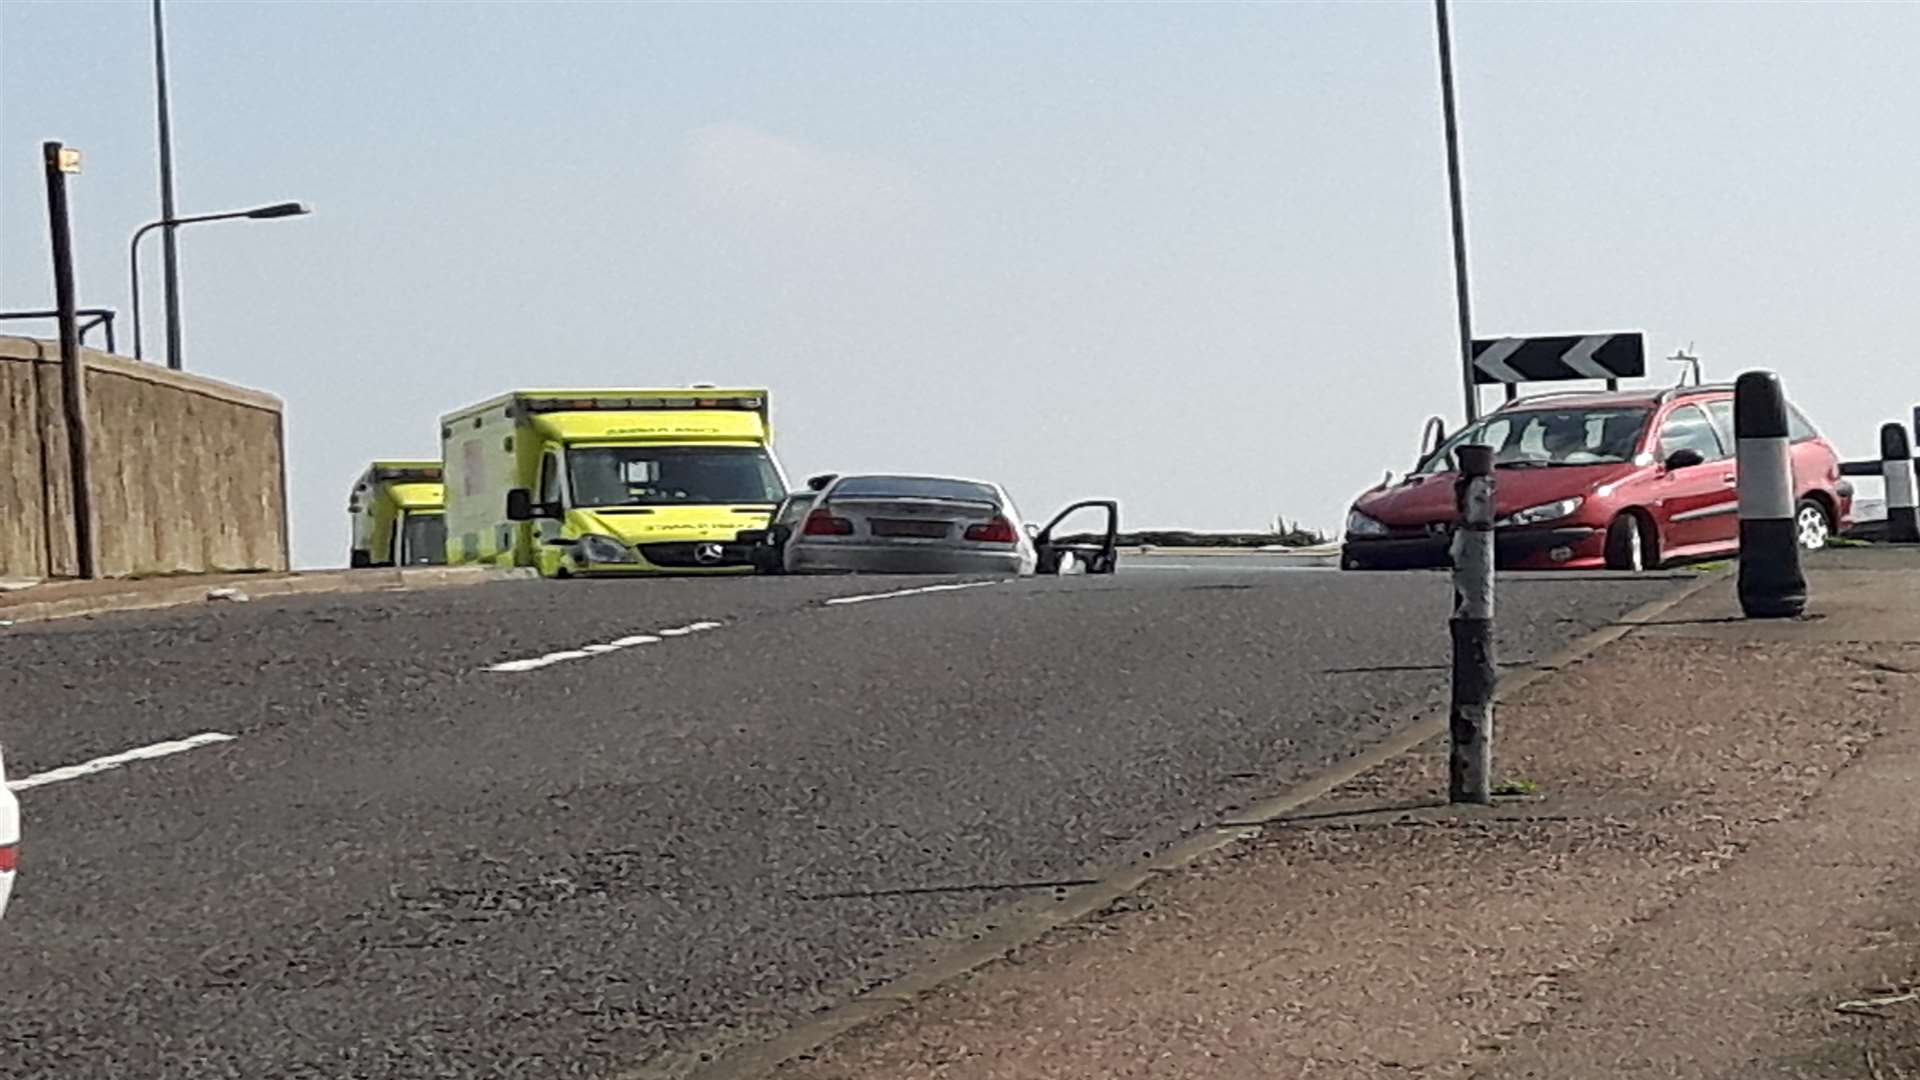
(999,492)
(1600,399)
(912,476)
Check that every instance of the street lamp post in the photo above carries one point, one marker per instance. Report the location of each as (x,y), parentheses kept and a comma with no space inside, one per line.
(258,213)
(172,251)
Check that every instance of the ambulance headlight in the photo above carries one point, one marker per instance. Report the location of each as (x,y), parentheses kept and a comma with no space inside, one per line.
(601,549)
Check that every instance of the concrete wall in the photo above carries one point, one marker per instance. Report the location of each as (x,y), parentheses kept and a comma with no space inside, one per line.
(189,474)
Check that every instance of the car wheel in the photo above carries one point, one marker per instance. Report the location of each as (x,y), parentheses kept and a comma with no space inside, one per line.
(1629,547)
(1811,525)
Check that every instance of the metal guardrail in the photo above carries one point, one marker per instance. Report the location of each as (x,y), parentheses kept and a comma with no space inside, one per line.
(93,317)
(1876,467)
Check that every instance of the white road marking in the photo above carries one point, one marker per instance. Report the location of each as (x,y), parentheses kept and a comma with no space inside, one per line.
(114,761)
(1203,568)
(534,663)
(910,592)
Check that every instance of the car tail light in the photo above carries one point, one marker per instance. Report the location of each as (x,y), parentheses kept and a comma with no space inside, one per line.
(822,523)
(997,531)
(7,856)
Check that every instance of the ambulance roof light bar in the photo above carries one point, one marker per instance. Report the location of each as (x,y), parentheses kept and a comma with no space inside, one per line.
(637,404)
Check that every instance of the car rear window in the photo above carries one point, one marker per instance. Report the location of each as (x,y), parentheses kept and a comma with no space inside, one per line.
(914,487)
(1799,428)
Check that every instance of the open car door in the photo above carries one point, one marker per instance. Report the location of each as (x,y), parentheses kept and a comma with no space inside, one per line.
(767,547)
(1100,555)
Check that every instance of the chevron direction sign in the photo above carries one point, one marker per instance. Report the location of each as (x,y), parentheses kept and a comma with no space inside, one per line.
(1513,360)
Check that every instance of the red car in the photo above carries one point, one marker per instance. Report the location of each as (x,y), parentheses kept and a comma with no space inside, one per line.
(1623,480)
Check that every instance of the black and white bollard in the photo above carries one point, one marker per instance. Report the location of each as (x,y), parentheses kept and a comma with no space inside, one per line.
(1771,584)
(1470,763)
(1896,469)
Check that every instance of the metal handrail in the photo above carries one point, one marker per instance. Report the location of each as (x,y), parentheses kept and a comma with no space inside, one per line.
(99,317)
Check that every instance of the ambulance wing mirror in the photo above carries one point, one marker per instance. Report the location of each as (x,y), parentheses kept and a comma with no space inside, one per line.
(520,505)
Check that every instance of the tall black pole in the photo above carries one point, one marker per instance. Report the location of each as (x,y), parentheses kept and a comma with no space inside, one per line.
(170,251)
(73,368)
(1459,212)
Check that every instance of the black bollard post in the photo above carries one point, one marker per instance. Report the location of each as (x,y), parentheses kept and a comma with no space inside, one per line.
(1470,761)
(1896,469)
(1771,583)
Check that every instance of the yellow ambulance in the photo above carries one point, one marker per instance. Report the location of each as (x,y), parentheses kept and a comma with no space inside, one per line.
(397,510)
(610,482)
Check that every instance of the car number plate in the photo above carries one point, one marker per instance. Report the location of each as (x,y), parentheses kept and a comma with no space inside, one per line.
(925,530)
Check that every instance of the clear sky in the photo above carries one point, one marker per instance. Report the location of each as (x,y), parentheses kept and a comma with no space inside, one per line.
(1194,256)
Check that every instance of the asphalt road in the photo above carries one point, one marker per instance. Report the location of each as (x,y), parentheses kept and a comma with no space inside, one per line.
(406,865)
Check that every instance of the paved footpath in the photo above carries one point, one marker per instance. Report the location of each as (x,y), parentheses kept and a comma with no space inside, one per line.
(1713,875)
(29,601)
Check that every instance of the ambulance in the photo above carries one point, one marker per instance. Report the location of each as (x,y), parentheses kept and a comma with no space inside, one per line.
(398,517)
(586,483)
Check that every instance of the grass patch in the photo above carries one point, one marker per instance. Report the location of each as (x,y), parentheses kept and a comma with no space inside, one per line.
(1515,786)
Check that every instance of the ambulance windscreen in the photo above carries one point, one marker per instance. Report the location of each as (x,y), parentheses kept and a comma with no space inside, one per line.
(614,476)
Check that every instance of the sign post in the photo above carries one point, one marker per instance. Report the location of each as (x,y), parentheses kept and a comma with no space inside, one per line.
(1458,202)
(61,160)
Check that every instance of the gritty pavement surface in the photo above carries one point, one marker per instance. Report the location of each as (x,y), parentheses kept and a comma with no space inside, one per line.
(405,865)
(1717,861)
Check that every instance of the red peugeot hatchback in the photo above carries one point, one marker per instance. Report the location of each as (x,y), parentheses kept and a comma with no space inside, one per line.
(1623,480)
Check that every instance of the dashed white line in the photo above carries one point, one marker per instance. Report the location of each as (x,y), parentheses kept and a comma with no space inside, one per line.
(910,592)
(533,663)
(114,761)
(1138,567)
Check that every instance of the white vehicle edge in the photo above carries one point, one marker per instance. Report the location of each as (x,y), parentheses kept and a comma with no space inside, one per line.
(9,834)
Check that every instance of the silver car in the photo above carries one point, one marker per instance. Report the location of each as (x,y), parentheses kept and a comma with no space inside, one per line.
(896,524)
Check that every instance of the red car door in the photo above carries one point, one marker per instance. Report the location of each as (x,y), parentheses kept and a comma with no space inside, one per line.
(1816,467)
(1699,505)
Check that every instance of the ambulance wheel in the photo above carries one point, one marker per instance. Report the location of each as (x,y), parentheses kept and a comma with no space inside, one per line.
(360,560)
